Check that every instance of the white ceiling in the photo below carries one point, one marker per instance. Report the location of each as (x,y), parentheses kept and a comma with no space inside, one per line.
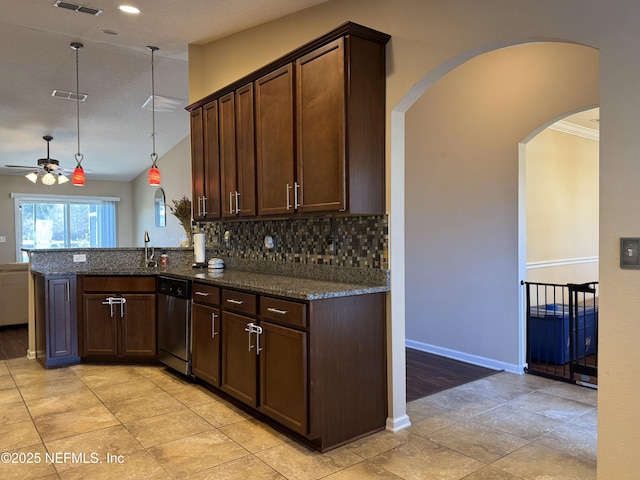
(115,73)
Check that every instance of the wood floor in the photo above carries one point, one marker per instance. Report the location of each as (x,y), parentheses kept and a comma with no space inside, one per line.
(14,341)
(428,373)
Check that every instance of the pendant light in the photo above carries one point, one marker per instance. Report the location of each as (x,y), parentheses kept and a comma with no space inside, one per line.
(154,171)
(78,173)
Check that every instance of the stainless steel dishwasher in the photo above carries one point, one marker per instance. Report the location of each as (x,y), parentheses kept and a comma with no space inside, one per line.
(174,323)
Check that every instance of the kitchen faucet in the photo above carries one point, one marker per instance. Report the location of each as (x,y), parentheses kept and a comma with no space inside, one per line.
(148,259)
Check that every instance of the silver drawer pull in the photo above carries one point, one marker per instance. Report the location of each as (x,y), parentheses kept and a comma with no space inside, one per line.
(203,294)
(276,310)
(235,302)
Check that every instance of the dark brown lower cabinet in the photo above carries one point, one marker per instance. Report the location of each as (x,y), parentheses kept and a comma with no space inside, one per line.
(205,354)
(283,376)
(239,363)
(317,368)
(56,329)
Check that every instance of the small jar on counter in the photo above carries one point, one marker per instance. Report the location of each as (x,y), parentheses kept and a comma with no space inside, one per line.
(164,260)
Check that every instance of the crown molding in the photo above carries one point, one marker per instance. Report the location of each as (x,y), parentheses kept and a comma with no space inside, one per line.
(573,129)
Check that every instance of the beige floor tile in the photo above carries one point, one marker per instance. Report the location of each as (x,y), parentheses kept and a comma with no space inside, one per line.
(63,403)
(552,406)
(62,425)
(426,419)
(296,462)
(195,453)
(6,381)
(165,428)
(137,408)
(519,421)
(13,413)
(98,375)
(576,438)
(169,381)
(536,461)
(138,465)
(18,435)
(465,404)
(490,473)
(423,459)
(362,471)
(253,435)
(36,391)
(244,468)
(478,441)
(27,463)
(10,395)
(3,369)
(497,386)
(378,443)
(30,376)
(23,363)
(138,387)
(220,413)
(578,393)
(193,395)
(98,444)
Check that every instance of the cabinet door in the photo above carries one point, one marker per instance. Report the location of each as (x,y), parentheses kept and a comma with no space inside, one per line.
(99,326)
(239,363)
(245,151)
(227,138)
(320,108)
(62,340)
(138,326)
(211,161)
(274,142)
(197,164)
(283,376)
(206,343)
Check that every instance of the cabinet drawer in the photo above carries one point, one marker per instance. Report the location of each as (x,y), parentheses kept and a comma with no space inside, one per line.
(205,294)
(292,313)
(239,301)
(119,284)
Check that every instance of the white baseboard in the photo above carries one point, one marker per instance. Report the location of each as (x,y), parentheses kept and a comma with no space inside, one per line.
(31,355)
(465,357)
(399,423)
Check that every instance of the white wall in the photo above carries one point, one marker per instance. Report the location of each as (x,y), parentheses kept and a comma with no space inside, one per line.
(175,170)
(429,38)
(562,208)
(19,184)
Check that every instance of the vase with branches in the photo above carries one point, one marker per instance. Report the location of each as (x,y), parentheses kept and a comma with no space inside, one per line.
(181,209)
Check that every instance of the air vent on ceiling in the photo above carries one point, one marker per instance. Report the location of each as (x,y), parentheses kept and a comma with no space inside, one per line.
(69,95)
(77,8)
(163,104)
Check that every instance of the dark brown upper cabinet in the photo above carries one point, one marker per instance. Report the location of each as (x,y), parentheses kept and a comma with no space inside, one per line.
(205,162)
(318,142)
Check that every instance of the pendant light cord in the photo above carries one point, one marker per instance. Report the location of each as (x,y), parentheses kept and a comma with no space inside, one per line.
(154,156)
(77,46)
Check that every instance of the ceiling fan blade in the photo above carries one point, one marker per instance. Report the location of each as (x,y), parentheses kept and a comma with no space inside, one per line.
(70,170)
(22,166)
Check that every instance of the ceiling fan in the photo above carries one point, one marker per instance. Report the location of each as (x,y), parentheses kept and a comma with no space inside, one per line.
(48,169)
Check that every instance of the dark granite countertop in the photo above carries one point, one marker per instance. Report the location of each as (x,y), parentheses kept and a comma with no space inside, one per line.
(263,283)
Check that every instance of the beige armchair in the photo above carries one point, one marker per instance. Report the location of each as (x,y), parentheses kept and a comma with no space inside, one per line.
(13,293)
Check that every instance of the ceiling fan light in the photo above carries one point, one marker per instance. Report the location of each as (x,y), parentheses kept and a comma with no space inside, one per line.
(48,179)
(32,177)
(154,176)
(78,176)
(62,179)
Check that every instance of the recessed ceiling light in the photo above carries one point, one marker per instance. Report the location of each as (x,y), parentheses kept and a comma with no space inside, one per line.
(129,9)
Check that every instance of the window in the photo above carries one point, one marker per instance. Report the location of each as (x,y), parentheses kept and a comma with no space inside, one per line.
(56,221)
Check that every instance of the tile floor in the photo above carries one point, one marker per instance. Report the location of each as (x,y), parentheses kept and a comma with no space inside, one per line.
(132,422)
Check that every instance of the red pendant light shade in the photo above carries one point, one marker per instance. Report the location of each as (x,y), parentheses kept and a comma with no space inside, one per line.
(78,176)
(154,176)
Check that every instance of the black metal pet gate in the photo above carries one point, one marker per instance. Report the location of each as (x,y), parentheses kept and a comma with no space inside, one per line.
(562,331)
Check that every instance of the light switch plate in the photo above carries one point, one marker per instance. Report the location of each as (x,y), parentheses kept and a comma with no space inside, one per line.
(80,257)
(630,253)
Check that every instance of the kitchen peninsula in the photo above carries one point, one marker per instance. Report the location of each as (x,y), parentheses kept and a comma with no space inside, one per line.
(314,363)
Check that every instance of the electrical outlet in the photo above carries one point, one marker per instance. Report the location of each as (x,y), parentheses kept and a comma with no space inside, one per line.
(3,239)
(79,257)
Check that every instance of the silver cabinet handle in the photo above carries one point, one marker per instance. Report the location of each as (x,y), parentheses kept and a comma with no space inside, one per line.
(231,203)
(213,325)
(253,328)
(288,201)
(296,195)
(237,202)
(202,294)
(249,329)
(109,301)
(276,310)
(234,301)
(122,302)
(258,333)
(204,206)
(68,285)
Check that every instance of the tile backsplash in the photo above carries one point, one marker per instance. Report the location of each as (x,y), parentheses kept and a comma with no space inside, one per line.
(360,241)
